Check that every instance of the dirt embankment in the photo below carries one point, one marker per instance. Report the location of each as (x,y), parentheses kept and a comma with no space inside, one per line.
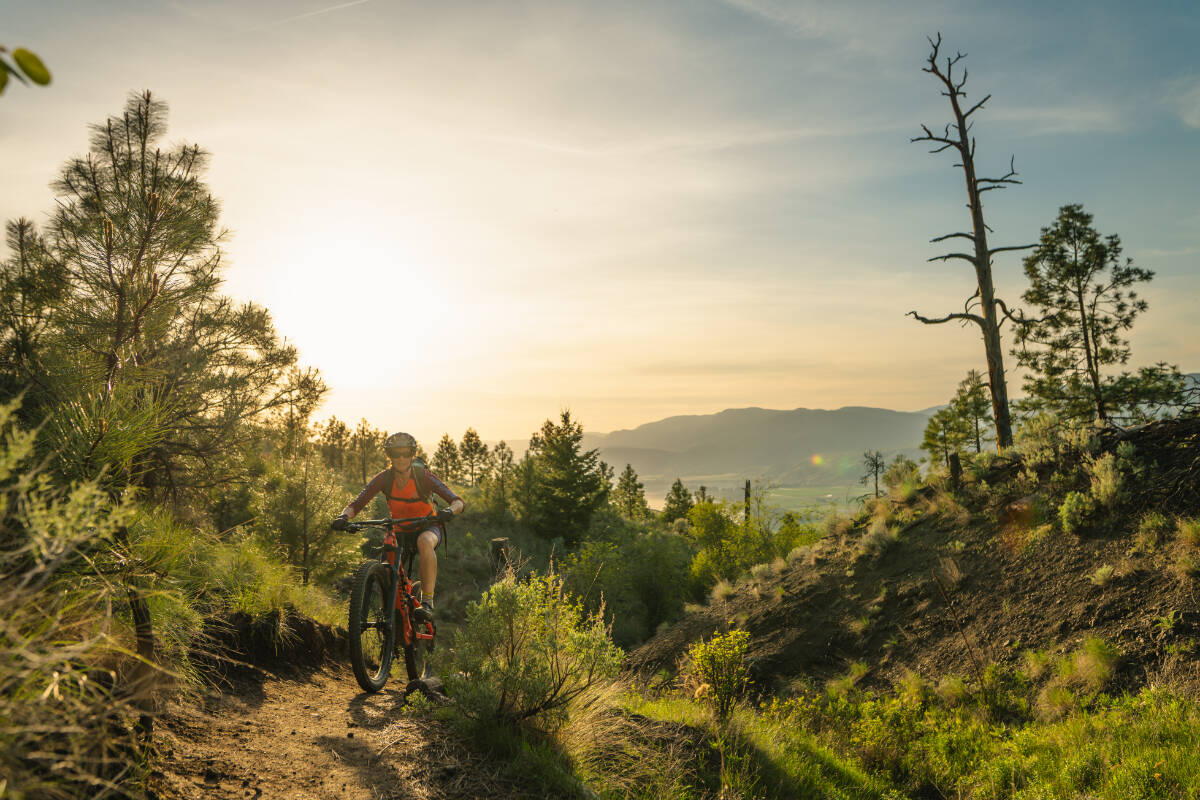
(968,586)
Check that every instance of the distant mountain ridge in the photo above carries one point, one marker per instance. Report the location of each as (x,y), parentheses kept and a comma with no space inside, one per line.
(794,447)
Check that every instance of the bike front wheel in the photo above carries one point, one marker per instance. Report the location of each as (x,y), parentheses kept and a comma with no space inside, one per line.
(372,634)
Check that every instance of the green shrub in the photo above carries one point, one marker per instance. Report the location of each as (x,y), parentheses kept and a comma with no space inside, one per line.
(1075,510)
(1106,479)
(718,669)
(526,650)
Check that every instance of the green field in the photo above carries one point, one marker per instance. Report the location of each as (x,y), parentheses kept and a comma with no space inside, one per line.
(804,498)
(800,498)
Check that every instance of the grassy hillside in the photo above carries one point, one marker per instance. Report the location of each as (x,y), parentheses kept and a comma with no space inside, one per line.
(1032,632)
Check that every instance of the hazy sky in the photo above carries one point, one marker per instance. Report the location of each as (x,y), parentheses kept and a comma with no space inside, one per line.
(480,213)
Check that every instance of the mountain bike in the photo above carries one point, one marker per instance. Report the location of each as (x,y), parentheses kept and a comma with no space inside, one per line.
(382,602)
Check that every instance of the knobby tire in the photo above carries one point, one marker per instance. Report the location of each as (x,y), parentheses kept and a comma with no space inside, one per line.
(372,630)
(416,651)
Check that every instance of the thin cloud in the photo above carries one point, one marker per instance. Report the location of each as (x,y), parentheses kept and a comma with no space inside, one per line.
(717,142)
(1186,100)
(306,15)
(1038,121)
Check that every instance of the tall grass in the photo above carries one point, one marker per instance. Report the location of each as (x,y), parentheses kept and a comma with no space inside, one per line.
(68,705)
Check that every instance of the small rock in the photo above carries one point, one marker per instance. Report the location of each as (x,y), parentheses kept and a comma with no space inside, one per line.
(350,735)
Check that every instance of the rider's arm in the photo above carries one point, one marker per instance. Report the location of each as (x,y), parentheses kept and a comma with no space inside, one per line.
(373,487)
(443,491)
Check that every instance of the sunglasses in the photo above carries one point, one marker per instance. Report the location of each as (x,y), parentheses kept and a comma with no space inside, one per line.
(401,452)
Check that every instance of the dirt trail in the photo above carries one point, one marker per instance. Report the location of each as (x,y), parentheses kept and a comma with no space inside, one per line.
(318,736)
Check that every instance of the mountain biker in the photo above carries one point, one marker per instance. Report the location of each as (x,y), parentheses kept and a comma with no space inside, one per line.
(400,488)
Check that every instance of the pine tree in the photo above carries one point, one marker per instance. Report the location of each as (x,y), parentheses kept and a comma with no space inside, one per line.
(139,361)
(497,486)
(365,445)
(973,408)
(874,464)
(678,502)
(570,482)
(446,461)
(1084,293)
(334,439)
(473,455)
(945,433)
(629,496)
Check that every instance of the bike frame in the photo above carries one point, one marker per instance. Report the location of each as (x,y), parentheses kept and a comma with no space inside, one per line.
(392,555)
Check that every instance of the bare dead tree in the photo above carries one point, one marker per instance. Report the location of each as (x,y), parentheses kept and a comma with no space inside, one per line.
(983,307)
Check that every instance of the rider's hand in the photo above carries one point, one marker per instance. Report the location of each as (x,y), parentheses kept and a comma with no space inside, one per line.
(445,514)
(340,523)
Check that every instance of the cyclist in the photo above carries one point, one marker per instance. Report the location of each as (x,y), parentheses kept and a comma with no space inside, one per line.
(399,485)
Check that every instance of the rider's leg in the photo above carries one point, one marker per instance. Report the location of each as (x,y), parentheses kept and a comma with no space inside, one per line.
(426,544)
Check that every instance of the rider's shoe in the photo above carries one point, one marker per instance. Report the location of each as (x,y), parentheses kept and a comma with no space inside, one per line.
(424,612)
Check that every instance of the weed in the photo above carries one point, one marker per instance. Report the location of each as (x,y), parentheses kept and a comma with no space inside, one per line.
(1167,623)
(859,626)
(1184,648)
(1102,576)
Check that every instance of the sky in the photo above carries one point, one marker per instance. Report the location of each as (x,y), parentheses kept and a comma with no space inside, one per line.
(482,213)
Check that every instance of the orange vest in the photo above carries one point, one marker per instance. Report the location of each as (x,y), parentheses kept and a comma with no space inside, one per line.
(405,502)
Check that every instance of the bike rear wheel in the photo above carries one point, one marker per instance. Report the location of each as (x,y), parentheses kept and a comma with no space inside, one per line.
(417,651)
(372,634)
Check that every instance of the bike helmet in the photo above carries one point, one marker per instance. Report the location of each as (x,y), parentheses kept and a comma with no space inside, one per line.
(399,440)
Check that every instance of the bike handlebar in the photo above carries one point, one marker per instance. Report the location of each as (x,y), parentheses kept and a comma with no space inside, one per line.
(386,521)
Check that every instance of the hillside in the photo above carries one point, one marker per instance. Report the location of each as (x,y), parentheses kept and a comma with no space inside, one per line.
(875,590)
(792,448)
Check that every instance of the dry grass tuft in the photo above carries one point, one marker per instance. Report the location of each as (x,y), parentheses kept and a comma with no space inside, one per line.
(913,688)
(1054,702)
(1188,531)
(950,573)
(1102,576)
(629,755)
(1037,663)
(952,690)
(878,538)
(722,591)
